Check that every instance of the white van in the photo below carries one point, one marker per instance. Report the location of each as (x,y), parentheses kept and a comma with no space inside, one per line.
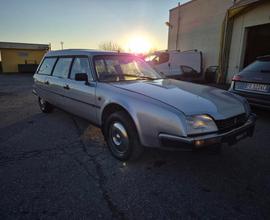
(186,65)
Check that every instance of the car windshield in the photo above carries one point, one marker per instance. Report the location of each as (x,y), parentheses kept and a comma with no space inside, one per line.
(259,66)
(112,68)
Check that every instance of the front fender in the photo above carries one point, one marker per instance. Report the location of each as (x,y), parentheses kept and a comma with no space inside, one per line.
(151,117)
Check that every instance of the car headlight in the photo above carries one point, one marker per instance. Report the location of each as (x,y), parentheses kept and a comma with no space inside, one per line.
(198,124)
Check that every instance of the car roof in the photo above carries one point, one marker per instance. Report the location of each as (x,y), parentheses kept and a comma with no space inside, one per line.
(81,52)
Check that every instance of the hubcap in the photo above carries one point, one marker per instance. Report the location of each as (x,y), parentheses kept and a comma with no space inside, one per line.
(119,137)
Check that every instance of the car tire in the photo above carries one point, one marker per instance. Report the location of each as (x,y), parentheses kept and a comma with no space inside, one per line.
(122,137)
(45,106)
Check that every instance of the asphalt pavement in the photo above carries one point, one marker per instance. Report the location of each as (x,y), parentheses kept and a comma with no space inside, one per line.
(57,166)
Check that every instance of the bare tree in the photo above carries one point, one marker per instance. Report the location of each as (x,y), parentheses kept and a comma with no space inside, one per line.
(110,45)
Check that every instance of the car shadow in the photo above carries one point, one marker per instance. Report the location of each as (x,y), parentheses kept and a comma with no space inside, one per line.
(261,112)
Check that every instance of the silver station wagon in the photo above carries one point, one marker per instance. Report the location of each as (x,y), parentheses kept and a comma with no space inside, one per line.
(136,107)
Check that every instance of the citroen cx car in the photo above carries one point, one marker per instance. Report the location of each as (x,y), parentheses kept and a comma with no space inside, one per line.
(253,82)
(135,107)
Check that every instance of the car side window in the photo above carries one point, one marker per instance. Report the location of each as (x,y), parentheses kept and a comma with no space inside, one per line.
(163,58)
(47,66)
(62,67)
(81,65)
(100,67)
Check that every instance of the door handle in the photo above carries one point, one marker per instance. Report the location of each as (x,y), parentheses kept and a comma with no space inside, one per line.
(66,87)
(47,83)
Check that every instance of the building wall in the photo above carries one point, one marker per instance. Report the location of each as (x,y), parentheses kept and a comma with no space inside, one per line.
(257,16)
(12,57)
(200,26)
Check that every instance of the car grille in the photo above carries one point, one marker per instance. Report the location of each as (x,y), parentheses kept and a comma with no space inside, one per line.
(231,123)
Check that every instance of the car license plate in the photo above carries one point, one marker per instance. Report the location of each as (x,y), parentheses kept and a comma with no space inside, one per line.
(257,87)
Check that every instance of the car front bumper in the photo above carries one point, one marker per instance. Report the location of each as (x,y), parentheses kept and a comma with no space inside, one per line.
(231,137)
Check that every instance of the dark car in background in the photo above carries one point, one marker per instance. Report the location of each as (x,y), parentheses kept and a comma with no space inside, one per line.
(253,82)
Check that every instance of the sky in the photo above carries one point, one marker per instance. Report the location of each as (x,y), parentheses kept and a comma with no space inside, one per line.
(86,23)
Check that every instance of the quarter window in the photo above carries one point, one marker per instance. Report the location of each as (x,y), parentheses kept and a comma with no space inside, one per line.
(62,67)
(47,66)
(81,65)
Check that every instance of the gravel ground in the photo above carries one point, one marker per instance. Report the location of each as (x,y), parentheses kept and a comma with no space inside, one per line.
(57,166)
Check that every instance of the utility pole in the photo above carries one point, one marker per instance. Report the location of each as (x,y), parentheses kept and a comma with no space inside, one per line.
(62,45)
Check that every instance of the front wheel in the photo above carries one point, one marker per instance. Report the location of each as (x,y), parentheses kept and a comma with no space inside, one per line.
(121,137)
(45,106)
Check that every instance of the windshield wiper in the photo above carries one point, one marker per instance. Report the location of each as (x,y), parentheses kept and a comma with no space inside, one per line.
(137,76)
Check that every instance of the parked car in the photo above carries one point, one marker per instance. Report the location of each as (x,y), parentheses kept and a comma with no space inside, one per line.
(253,82)
(135,106)
(181,65)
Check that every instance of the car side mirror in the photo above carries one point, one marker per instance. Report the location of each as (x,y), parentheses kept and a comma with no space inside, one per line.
(188,71)
(81,77)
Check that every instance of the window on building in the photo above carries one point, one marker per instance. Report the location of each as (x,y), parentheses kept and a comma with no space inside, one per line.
(81,65)
(47,66)
(62,67)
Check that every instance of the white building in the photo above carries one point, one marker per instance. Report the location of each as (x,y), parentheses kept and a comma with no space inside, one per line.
(230,34)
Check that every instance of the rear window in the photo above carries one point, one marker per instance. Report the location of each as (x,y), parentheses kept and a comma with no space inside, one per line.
(259,66)
(47,66)
(62,67)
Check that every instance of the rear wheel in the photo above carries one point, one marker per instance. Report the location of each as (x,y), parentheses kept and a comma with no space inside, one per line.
(121,136)
(45,106)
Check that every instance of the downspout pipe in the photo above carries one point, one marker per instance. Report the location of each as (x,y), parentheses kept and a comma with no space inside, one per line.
(178,27)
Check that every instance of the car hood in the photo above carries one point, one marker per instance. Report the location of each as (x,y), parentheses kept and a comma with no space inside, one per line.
(187,97)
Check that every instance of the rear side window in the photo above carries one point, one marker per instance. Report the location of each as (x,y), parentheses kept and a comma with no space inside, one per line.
(62,67)
(47,66)
(81,65)
(259,66)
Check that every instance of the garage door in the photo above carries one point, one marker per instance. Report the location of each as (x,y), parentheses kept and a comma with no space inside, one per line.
(258,42)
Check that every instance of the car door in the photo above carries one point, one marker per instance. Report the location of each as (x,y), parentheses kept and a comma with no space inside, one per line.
(81,95)
(57,82)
